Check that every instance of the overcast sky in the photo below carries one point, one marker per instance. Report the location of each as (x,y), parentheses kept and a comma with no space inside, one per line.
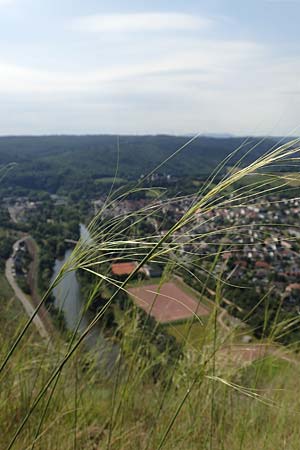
(218,66)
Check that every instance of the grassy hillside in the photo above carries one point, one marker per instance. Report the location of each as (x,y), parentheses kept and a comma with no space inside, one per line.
(201,402)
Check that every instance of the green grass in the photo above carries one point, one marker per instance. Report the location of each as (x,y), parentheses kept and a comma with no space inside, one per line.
(292,178)
(196,331)
(153,193)
(144,282)
(274,179)
(5,289)
(60,397)
(110,180)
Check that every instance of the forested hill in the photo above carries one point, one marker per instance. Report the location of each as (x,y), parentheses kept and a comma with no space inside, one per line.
(66,163)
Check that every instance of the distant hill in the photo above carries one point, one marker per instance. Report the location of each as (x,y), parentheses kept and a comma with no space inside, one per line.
(65,163)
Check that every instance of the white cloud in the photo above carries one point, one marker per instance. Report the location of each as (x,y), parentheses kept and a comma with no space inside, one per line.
(210,62)
(143,22)
(187,84)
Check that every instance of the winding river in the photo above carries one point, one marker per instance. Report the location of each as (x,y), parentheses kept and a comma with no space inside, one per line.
(69,299)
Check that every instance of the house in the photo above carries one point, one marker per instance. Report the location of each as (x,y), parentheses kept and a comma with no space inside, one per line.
(262,265)
(125,269)
(293,287)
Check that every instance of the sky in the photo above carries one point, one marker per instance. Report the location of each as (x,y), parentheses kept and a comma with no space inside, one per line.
(137,67)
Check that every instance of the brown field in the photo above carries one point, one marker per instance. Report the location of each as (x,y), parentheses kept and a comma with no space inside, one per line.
(244,354)
(167,302)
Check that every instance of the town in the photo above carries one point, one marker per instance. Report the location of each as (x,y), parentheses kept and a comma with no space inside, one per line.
(257,245)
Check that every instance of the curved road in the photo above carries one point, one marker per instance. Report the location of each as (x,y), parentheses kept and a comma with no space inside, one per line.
(21,295)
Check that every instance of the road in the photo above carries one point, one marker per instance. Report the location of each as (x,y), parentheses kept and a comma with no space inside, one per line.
(224,299)
(21,295)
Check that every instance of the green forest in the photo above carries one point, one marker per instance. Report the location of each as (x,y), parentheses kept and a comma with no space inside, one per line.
(84,166)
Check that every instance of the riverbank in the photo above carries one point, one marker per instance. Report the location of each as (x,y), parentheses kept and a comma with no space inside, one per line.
(69,299)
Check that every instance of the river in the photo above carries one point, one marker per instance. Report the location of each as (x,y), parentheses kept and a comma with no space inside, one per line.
(69,299)
(67,294)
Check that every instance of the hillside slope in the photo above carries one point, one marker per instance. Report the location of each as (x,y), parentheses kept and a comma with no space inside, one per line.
(64,163)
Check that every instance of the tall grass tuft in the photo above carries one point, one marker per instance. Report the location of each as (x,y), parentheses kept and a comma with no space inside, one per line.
(189,394)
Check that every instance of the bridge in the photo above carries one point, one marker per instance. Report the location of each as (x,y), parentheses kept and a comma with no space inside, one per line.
(71,241)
